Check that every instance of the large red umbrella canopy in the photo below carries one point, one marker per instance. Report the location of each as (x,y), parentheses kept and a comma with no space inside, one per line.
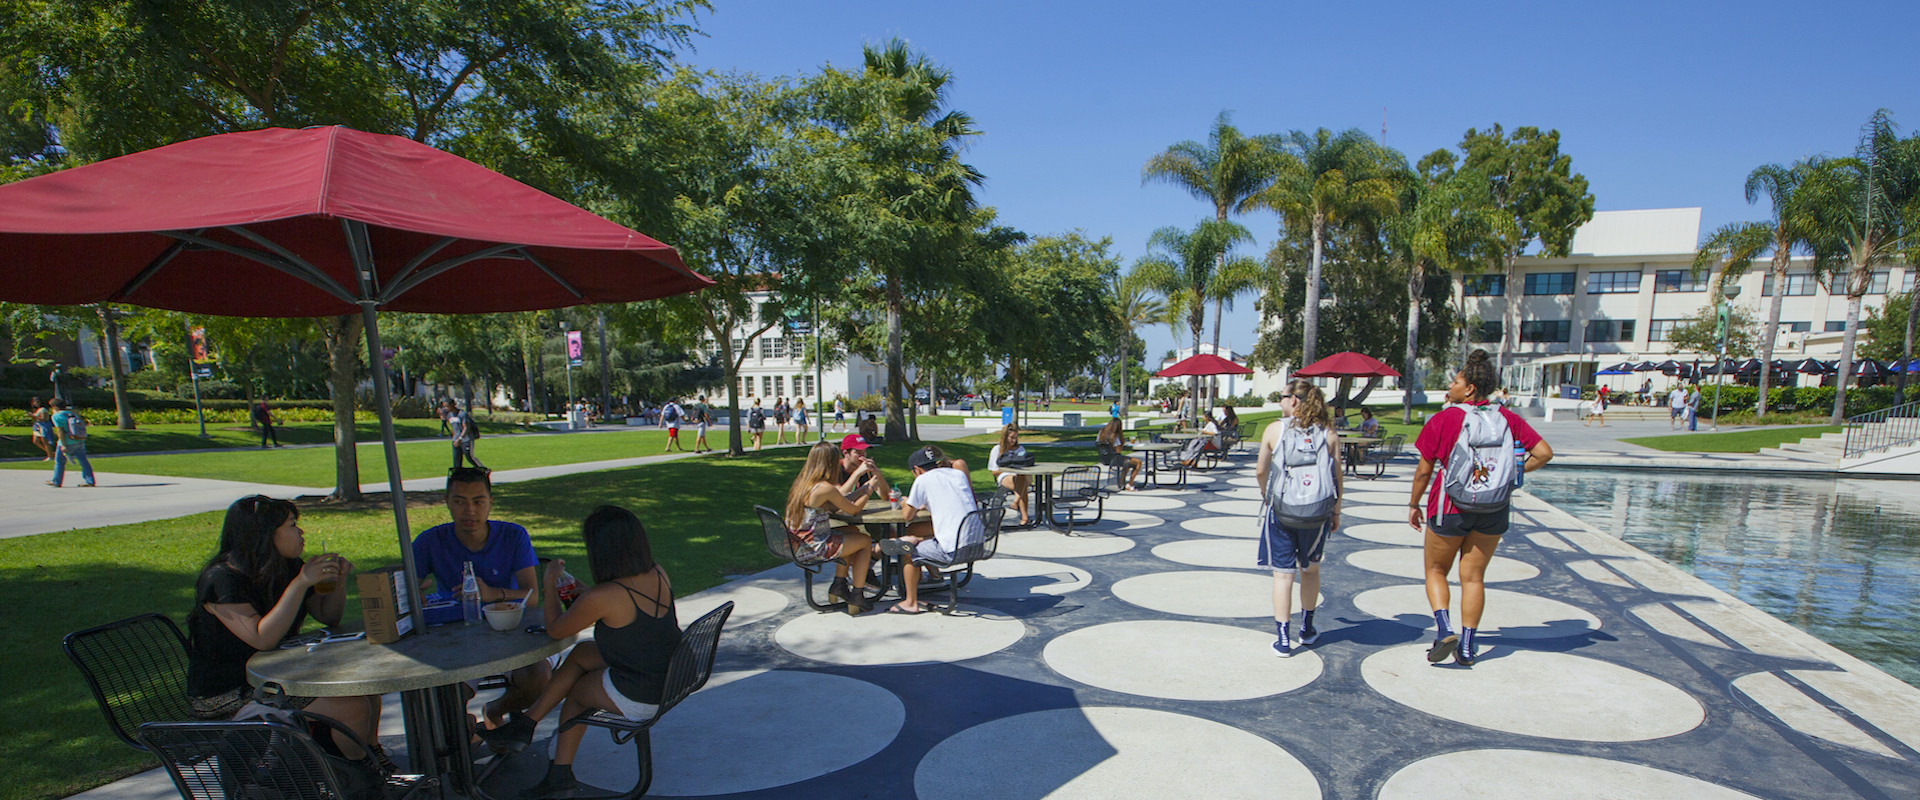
(187,227)
(1203,364)
(1347,365)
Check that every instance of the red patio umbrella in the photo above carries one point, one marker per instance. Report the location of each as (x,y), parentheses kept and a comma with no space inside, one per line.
(1347,365)
(1203,364)
(318,222)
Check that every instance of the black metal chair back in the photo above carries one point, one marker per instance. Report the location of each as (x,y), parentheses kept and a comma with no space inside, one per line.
(689,670)
(263,759)
(779,540)
(1078,488)
(137,670)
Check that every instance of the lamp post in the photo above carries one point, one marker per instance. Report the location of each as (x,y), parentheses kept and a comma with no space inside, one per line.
(1727,296)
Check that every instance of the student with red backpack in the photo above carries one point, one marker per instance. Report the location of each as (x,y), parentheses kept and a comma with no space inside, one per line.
(1475,443)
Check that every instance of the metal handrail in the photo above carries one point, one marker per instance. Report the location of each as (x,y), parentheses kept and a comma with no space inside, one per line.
(1879,431)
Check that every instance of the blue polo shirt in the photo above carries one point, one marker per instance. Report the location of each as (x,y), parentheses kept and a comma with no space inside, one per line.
(437,551)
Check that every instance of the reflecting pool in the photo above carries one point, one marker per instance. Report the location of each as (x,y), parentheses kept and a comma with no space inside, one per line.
(1839,559)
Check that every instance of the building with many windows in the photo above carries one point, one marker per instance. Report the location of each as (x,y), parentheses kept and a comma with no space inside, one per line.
(779,363)
(1626,284)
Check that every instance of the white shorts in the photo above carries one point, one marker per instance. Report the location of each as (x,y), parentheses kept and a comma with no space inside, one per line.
(702,429)
(631,709)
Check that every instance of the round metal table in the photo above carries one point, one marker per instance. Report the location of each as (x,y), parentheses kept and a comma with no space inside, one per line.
(1155,452)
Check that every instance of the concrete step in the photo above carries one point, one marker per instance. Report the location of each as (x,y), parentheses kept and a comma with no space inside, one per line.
(1812,446)
(1801,455)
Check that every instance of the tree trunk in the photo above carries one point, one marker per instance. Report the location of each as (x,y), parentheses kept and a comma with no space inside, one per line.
(730,365)
(606,372)
(896,421)
(913,409)
(1310,318)
(342,334)
(1365,390)
(1416,279)
(121,406)
(1509,318)
(1856,286)
(529,355)
(1126,366)
(1193,393)
(1906,352)
(1780,257)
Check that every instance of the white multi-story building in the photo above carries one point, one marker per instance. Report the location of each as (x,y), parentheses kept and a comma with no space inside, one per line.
(779,364)
(1627,282)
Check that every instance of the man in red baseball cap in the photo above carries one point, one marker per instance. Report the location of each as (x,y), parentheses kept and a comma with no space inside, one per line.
(853,452)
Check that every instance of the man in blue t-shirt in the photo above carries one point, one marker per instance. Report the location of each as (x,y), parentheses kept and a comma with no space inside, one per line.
(503,564)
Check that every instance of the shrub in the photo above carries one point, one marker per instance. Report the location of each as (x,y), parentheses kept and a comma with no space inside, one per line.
(867,402)
(1243,401)
(1274,397)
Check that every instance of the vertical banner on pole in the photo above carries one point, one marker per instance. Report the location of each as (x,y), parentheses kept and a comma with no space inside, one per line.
(575,350)
(202,357)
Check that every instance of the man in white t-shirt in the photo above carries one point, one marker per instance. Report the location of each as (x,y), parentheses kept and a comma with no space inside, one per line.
(1676,405)
(942,490)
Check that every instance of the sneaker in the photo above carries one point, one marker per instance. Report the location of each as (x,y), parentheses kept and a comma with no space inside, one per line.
(512,737)
(1309,634)
(1464,658)
(1281,649)
(1443,649)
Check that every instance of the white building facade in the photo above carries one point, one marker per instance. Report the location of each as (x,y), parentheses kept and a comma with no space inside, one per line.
(779,363)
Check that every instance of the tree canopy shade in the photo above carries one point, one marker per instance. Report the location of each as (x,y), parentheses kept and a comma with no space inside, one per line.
(1534,186)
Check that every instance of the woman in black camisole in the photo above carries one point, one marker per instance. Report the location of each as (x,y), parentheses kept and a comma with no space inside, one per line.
(624,668)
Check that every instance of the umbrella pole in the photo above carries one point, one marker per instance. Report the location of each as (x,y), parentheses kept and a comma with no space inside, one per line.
(396,491)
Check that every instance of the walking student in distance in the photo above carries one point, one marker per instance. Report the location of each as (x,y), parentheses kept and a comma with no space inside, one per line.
(670,416)
(70,427)
(41,418)
(1299,465)
(623,670)
(824,487)
(503,564)
(942,490)
(702,417)
(781,414)
(757,424)
(466,429)
(263,416)
(1472,442)
(800,419)
(840,412)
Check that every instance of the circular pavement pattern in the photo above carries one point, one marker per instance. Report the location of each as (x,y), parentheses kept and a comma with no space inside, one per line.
(1546,776)
(1375,497)
(750,604)
(1018,577)
(1047,544)
(1385,533)
(1508,614)
(1099,752)
(1112,521)
(1203,593)
(764,712)
(1155,658)
(1404,563)
(1244,480)
(1364,515)
(881,637)
(1239,493)
(1245,508)
(1218,553)
(1239,527)
(1532,693)
(1129,502)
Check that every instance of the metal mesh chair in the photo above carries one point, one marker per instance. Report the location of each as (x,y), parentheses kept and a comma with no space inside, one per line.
(1076,489)
(780,543)
(959,567)
(1386,452)
(266,760)
(692,664)
(137,670)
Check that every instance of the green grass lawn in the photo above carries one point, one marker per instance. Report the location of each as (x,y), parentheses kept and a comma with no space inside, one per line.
(1736,442)
(698,513)
(104,439)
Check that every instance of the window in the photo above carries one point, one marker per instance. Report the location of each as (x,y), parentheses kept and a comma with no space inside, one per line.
(1875,285)
(1795,327)
(1678,280)
(779,386)
(1660,329)
(766,348)
(746,386)
(809,392)
(1487,332)
(766,385)
(779,348)
(1609,330)
(739,345)
(1836,326)
(1799,284)
(1547,330)
(1550,283)
(1625,282)
(1484,285)
(1907,285)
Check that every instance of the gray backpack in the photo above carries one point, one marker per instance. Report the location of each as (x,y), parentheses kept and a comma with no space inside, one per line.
(1480,469)
(1301,486)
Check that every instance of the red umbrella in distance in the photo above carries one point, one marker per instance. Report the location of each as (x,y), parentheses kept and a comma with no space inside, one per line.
(1347,365)
(1203,364)
(318,222)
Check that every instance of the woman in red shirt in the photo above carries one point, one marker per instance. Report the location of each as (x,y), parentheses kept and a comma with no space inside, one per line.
(1451,533)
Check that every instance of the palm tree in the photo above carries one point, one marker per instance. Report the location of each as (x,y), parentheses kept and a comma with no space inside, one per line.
(1136,307)
(1184,267)
(1325,177)
(1227,171)
(1445,219)
(1741,242)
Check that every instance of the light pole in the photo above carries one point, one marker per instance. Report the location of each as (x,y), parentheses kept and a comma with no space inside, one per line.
(1727,296)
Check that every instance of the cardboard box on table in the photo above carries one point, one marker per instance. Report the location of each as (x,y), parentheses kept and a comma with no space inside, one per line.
(383,604)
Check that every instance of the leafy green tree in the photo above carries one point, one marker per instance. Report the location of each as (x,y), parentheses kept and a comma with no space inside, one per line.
(1742,242)
(1886,328)
(1700,333)
(1532,184)
(1445,222)
(1134,307)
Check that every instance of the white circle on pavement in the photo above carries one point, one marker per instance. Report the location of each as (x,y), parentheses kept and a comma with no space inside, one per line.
(1240,527)
(1509,614)
(1114,521)
(1047,544)
(1363,515)
(883,637)
(1128,502)
(1404,563)
(1533,693)
(1203,593)
(1220,553)
(1239,493)
(1096,753)
(778,707)
(1370,498)
(1385,533)
(1546,776)
(1245,480)
(1019,577)
(1247,508)
(1176,660)
(750,604)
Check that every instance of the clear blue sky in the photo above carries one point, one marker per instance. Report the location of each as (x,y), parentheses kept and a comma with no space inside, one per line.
(1660,104)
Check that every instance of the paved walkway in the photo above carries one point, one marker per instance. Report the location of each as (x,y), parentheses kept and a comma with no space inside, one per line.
(1132,660)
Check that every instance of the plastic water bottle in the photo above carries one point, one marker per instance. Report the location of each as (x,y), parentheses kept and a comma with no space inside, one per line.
(1519,465)
(469,594)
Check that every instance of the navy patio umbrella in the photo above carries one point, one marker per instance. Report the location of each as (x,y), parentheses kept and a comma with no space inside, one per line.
(1812,366)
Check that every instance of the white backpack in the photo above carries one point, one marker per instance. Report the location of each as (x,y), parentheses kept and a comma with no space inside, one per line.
(1480,470)
(1301,486)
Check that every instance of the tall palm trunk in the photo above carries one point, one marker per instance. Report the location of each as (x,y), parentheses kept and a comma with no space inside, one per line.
(1416,279)
(1310,319)
(1906,352)
(1780,257)
(896,421)
(1193,393)
(1509,315)
(1857,280)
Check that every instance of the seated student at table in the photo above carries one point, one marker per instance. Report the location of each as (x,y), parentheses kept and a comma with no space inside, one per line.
(1229,420)
(503,565)
(869,428)
(1208,440)
(1369,427)
(251,594)
(1017,484)
(941,490)
(825,487)
(1110,435)
(624,669)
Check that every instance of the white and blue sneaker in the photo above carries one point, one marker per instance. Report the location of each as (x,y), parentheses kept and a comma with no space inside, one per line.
(1281,649)
(1309,635)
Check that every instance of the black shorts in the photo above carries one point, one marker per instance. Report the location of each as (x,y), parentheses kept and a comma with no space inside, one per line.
(1460,524)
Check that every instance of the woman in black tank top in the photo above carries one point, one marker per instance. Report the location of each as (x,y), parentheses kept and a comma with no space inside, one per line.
(624,668)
